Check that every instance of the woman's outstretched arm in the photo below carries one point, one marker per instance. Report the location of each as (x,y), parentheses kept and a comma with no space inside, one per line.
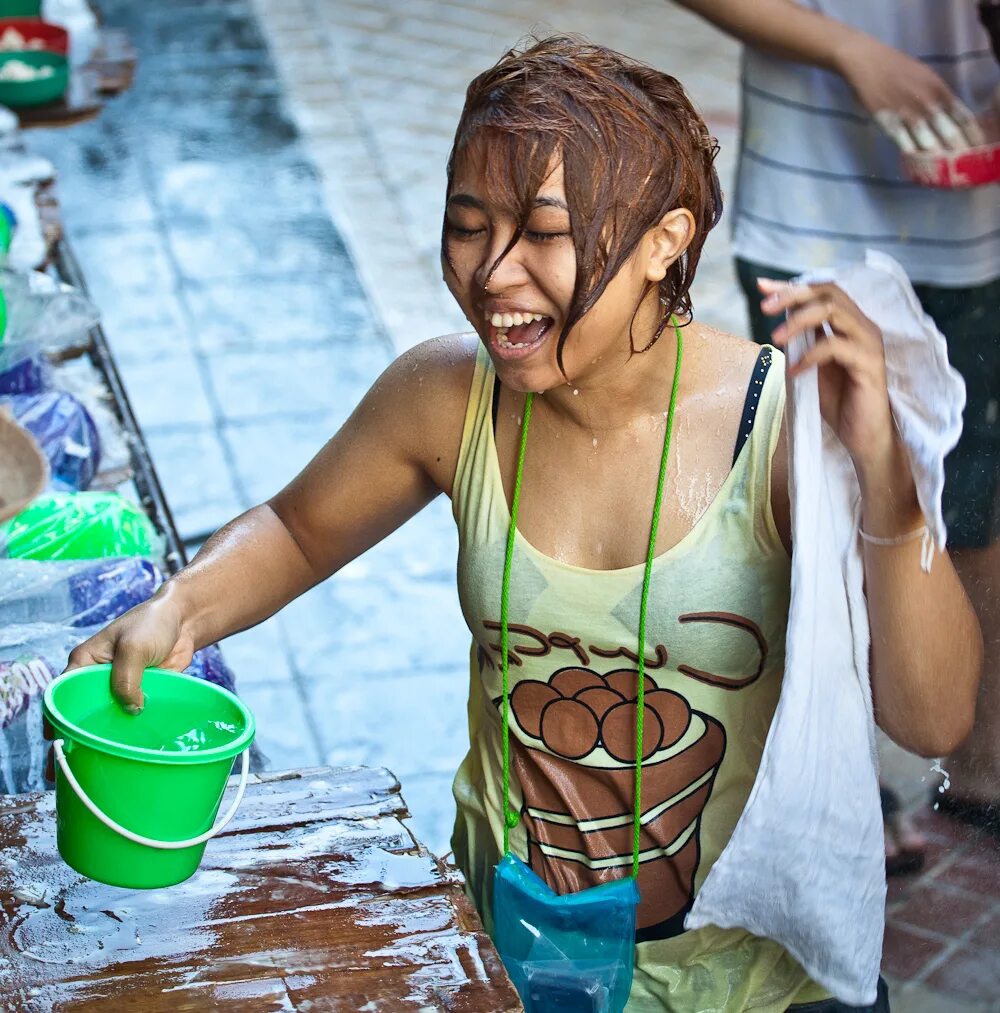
(395,453)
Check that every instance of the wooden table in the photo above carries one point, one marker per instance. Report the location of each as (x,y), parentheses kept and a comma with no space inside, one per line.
(316,897)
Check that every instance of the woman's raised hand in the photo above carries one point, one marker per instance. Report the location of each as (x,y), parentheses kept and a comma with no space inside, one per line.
(850,359)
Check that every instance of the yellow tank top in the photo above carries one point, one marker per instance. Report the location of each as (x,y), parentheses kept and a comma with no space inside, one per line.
(714,659)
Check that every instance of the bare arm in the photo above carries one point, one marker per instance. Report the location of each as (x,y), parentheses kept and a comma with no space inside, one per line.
(926,644)
(927,647)
(781,27)
(395,453)
(907,99)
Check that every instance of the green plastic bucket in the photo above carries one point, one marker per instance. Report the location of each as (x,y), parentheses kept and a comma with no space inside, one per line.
(137,795)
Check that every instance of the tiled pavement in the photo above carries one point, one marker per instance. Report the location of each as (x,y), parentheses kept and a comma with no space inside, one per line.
(244,336)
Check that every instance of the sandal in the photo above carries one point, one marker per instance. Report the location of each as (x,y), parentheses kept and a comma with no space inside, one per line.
(904,845)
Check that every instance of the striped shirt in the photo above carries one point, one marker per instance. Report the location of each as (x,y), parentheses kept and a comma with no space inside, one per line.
(818,181)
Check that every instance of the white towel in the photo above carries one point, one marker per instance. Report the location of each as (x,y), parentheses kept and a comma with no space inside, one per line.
(806,863)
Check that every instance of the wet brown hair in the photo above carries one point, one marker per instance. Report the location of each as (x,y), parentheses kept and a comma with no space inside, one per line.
(632,146)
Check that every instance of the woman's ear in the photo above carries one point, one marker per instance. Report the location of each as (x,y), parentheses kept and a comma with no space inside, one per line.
(667,240)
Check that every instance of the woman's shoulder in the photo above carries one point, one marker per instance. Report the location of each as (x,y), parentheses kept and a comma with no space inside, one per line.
(727,361)
(427,386)
(445,363)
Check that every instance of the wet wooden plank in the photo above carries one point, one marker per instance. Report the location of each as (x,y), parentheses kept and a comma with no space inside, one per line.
(316,897)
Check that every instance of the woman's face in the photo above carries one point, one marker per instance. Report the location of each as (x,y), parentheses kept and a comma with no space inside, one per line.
(520,317)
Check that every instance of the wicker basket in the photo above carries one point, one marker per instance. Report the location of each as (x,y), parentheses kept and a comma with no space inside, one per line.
(24,471)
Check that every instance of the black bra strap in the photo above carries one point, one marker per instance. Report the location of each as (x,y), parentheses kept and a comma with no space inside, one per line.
(753,399)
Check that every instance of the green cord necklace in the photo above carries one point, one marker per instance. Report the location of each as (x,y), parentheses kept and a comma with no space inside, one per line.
(511,817)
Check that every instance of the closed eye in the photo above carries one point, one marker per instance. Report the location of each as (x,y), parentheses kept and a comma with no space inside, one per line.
(545,237)
(457,230)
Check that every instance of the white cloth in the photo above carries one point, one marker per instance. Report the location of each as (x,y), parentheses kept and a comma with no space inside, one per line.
(806,863)
(817,180)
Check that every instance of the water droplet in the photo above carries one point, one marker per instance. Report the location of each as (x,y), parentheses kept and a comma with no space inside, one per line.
(576,390)
(938,769)
(595,441)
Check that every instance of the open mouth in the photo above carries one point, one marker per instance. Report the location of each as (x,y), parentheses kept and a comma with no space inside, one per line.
(518,332)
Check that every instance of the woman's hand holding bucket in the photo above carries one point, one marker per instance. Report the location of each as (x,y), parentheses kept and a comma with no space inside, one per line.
(151,635)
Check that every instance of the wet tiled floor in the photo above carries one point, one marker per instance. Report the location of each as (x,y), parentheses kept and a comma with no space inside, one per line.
(943,925)
(247,324)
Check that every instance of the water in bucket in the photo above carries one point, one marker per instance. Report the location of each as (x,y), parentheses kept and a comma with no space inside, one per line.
(159,775)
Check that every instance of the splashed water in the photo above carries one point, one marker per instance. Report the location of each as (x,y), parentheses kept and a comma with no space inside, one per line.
(942,788)
(938,769)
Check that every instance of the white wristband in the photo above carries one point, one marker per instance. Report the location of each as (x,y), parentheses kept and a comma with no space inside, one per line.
(923,532)
(910,536)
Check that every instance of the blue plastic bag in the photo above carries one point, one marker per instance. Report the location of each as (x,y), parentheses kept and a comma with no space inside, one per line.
(78,593)
(23,375)
(565,954)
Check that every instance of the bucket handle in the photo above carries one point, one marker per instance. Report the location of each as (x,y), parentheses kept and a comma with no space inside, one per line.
(57,748)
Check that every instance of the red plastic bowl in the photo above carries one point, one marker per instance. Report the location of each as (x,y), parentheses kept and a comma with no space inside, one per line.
(54,38)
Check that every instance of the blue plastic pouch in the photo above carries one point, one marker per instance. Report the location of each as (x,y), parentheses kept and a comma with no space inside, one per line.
(572,953)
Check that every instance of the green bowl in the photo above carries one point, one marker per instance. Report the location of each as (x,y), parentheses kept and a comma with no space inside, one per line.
(20,8)
(35,93)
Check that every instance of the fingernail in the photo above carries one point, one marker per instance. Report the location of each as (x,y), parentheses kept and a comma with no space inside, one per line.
(133,709)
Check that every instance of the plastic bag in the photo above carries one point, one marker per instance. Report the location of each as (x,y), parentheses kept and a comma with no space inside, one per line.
(565,954)
(23,371)
(81,378)
(31,656)
(80,21)
(208,664)
(81,525)
(45,314)
(73,593)
(65,432)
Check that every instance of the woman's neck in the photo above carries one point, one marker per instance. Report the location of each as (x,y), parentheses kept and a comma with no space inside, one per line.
(618,394)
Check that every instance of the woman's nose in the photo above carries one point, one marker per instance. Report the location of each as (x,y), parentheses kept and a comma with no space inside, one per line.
(501,268)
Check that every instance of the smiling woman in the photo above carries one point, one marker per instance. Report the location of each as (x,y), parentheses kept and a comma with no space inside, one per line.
(624,569)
